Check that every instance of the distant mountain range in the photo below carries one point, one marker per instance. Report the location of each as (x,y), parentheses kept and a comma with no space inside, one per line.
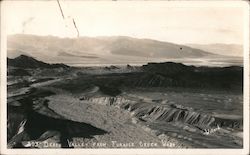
(222,49)
(118,49)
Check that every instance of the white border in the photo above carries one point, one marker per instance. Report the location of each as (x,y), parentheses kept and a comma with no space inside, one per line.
(245,150)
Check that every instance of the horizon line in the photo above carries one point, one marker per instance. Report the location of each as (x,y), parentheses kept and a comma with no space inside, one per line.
(107,36)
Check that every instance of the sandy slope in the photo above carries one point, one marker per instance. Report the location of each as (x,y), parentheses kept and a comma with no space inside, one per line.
(112,119)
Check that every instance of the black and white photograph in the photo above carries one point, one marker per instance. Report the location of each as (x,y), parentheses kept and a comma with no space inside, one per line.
(124,75)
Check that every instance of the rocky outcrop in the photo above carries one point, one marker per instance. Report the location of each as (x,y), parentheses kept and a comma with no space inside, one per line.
(115,101)
(153,112)
(169,114)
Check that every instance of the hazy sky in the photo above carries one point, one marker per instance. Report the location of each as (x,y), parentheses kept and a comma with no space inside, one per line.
(181,23)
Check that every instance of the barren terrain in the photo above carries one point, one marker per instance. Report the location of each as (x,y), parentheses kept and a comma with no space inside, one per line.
(165,105)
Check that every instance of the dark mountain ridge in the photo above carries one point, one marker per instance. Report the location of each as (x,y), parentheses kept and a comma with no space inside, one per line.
(24,61)
(177,74)
(162,75)
(166,74)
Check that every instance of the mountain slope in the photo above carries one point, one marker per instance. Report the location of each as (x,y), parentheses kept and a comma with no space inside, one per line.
(153,48)
(223,49)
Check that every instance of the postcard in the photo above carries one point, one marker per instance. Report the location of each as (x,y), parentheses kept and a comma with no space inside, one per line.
(124,77)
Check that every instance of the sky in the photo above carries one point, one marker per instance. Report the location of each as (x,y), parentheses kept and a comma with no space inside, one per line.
(180,23)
